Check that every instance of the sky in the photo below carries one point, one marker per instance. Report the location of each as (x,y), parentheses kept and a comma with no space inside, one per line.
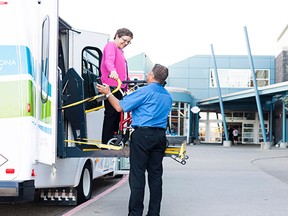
(169,31)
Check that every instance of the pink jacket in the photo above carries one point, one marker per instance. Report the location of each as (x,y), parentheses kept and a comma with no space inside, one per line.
(113,59)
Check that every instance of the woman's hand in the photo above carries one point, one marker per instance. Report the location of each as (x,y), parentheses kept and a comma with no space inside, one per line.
(113,75)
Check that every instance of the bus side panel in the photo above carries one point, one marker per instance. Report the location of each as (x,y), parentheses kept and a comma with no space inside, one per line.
(67,172)
(20,119)
(17,116)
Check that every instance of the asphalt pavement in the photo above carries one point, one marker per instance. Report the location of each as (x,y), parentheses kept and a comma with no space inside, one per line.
(239,180)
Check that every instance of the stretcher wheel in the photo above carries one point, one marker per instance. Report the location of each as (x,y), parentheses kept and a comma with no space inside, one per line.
(113,142)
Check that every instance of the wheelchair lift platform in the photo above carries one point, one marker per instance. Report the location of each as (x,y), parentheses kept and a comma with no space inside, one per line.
(93,148)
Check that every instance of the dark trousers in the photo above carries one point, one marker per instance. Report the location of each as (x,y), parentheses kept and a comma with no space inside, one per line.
(111,119)
(146,153)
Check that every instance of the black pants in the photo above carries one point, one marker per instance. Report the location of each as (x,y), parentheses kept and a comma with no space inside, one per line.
(111,119)
(146,153)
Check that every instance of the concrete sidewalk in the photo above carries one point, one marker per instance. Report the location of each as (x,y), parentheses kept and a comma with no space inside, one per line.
(216,181)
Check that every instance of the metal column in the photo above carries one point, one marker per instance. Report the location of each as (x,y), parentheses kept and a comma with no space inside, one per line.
(256,88)
(284,138)
(219,94)
(271,122)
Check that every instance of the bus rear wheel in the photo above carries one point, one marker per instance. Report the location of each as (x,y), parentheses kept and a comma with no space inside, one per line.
(84,189)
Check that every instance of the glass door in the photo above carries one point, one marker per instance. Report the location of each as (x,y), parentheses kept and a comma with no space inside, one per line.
(215,131)
(248,133)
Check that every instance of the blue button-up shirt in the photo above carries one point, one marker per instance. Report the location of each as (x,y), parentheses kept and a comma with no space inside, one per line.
(150,106)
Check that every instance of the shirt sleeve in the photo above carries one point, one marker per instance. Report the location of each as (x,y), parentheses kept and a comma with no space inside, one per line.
(132,100)
(110,53)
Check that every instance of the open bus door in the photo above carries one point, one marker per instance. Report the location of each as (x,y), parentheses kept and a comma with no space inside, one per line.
(46,110)
(81,121)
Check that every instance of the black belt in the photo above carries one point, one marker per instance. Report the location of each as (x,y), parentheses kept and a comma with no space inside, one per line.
(151,128)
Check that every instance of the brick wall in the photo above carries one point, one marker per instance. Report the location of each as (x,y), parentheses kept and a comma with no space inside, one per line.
(282,67)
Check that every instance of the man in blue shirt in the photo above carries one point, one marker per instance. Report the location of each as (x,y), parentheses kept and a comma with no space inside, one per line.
(150,106)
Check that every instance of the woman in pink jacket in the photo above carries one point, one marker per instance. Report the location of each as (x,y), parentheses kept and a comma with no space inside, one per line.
(114,66)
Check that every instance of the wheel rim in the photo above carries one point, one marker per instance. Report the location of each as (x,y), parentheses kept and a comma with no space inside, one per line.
(113,141)
(86,182)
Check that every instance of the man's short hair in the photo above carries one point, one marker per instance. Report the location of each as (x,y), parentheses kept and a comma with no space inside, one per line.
(160,73)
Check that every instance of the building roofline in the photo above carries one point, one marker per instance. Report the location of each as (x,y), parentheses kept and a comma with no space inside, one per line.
(177,89)
(271,89)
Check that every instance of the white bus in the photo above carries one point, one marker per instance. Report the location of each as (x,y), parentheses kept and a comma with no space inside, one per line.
(45,64)
(47,68)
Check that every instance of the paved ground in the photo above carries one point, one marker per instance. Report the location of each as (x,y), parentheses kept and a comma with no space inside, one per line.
(216,181)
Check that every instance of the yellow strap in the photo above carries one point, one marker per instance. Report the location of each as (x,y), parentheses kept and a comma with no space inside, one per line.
(98,145)
(91,140)
(76,103)
(93,98)
(94,109)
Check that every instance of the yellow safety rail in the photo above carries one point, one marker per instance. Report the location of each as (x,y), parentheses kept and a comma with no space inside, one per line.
(94,143)
(178,153)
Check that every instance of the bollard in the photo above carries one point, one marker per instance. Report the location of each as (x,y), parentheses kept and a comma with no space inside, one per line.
(266,145)
(227,143)
(283,145)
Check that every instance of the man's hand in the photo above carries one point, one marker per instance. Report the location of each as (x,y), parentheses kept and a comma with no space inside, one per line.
(104,89)
(113,75)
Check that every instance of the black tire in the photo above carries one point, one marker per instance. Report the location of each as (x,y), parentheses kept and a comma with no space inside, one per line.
(84,189)
(119,176)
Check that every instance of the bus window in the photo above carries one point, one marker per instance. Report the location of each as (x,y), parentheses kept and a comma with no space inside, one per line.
(91,59)
(45,60)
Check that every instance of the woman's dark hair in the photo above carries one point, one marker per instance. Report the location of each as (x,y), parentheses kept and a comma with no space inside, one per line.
(123,32)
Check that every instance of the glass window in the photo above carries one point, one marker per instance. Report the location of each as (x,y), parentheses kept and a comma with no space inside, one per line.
(228,116)
(215,132)
(45,60)
(174,125)
(179,118)
(231,78)
(249,116)
(238,115)
(202,131)
(203,115)
(260,131)
(248,125)
(91,59)
(239,78)
(215,116)
(248,133)
(262,74)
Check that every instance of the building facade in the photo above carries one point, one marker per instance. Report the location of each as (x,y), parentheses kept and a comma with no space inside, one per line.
(197,74)
(192,83)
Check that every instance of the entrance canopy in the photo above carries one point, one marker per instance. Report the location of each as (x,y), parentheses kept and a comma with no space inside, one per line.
(245,100)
